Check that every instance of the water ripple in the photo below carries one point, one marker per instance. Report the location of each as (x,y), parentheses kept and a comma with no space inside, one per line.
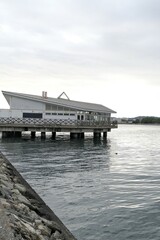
(100,189)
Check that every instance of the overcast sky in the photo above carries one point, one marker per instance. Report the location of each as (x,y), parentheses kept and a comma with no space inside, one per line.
(100,51)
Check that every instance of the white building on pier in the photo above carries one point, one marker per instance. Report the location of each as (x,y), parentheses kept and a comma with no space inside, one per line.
(27,108)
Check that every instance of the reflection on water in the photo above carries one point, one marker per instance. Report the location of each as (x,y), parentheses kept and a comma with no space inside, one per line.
(100,189)
(67,155)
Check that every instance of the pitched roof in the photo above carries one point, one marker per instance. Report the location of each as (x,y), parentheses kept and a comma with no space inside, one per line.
(81,106)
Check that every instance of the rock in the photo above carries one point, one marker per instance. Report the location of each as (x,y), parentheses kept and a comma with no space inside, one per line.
(57,234)
(28,227)
(15,179)
(4,165)
(33,215)
(44,230)
(3,177)
(4,203)
(16,191)
(38,222)
(23,199)
(20,187)
(21,207)
(52,237)
(5,192)
(38,232)
(2,169)
(51,224)
(7,183)
(6,232)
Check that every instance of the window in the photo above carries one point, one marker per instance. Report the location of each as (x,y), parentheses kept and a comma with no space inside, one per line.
(32,115)
(60,108)
(66,109)
(50,107)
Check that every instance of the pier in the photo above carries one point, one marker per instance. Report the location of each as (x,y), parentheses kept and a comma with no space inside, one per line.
(14,127)
(32,113)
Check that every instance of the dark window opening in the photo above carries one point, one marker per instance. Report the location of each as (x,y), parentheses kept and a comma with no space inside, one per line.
(32,115)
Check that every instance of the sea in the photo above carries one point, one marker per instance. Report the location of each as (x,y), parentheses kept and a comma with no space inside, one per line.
(100,189)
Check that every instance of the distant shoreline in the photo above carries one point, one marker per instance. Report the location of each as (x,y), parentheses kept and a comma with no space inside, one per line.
(138,120)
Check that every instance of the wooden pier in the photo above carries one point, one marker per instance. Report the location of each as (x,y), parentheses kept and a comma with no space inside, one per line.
(13,127)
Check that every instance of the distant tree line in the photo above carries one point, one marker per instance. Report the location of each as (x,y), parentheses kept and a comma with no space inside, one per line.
(147,120)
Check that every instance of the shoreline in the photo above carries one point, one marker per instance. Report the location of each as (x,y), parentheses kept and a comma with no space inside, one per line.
(23,214)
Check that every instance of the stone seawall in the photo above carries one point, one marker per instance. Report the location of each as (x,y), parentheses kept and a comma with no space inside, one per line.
(23,214)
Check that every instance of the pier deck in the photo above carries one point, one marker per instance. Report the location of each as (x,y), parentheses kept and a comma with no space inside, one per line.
(14,125)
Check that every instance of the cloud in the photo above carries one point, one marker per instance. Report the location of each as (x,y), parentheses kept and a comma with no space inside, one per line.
(99,42)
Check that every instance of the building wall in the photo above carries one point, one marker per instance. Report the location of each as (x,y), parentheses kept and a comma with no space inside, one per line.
(20,108)
(20,103)
(5,113)
(14,113)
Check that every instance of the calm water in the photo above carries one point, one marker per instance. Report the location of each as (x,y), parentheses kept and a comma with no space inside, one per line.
(101,190)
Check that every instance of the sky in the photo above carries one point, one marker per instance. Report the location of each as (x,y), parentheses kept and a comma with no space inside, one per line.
(99,51)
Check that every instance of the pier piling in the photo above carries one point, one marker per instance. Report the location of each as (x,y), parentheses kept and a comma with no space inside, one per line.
(43,135)
(97,134)
(53,135)
(33,134)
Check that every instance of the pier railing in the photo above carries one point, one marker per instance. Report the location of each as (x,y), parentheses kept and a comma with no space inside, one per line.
(55,122)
